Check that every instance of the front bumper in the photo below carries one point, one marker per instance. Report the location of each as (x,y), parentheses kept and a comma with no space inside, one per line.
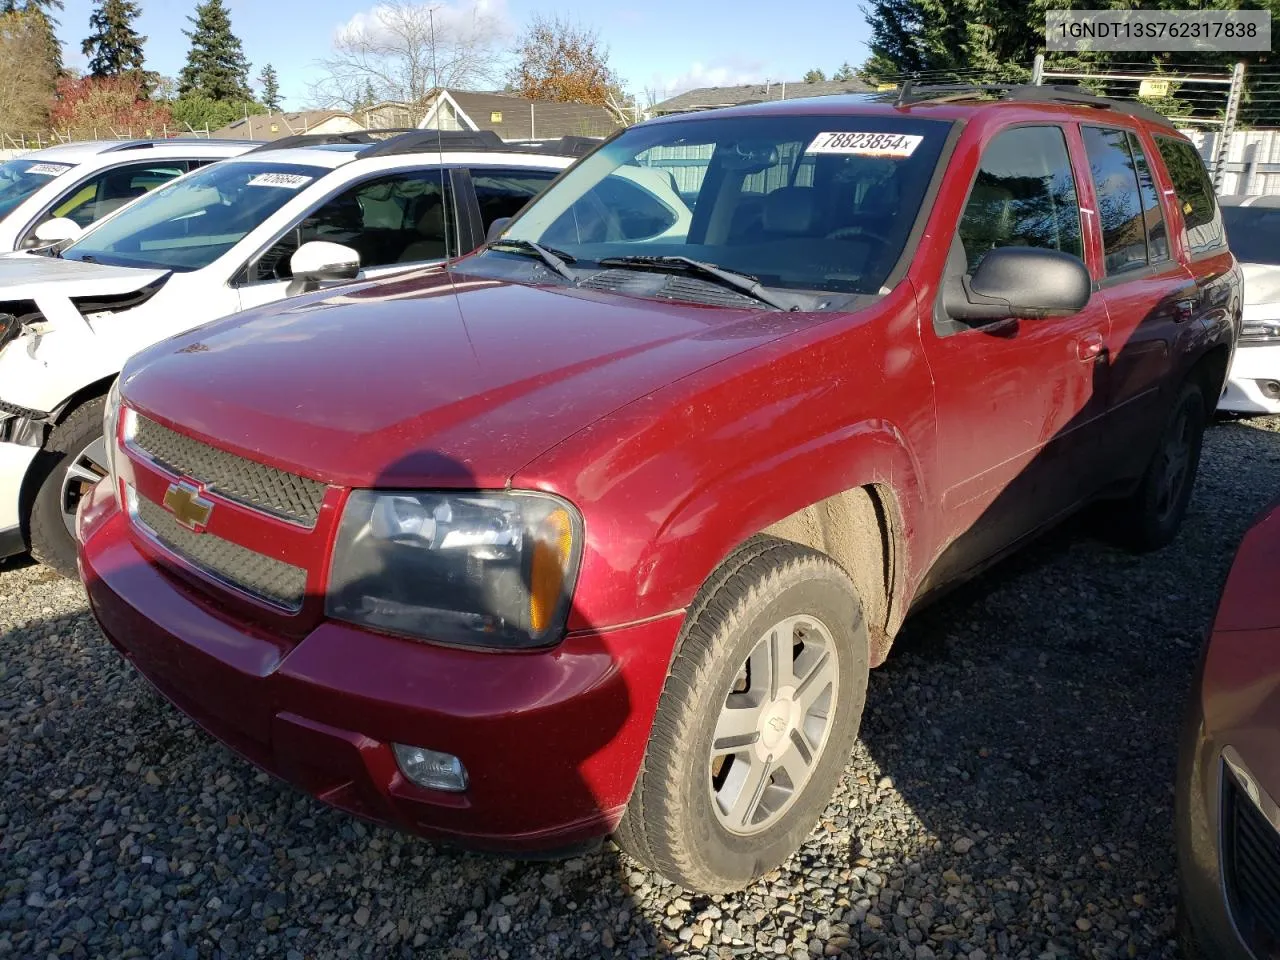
(15,461)
(552,740)
(1254,368)
(1226,771)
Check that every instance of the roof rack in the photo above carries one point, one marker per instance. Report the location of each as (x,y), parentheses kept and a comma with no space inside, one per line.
(416,141)
(165,141)
(325,139)
(393,142)
(556,146)
(909,93)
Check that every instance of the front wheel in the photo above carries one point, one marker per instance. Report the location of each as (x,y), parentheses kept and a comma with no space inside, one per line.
(74,458)
(756,722)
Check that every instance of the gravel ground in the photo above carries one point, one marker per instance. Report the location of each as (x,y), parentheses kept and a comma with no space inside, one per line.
(1012,794)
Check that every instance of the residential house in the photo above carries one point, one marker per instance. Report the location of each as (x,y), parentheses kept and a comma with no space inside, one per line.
(709,98)
(515,118)
(273,126)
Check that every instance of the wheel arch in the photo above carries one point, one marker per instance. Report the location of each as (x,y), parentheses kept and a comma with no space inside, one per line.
(864,510)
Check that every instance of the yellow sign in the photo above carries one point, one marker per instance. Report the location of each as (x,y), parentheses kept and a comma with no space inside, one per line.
(495,117)
(884,87)
(1153,88)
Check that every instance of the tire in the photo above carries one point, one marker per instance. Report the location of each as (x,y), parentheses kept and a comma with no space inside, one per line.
(71,461)
(696,818)
(1152,516)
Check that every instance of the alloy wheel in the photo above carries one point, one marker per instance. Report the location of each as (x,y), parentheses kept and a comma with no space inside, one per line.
(83,472)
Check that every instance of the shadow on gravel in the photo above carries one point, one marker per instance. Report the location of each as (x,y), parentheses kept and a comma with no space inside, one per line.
(1030,721)
(126,830)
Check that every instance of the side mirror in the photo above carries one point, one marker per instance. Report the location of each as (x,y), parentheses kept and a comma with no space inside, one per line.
(1020,282)
(57,230)
(496,228)
(320,260)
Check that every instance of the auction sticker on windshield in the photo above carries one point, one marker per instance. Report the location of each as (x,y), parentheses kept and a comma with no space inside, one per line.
(866,144)
(290,181)
(48,169)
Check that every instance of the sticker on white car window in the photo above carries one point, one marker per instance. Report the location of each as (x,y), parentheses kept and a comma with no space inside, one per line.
(290,181)
(866,144)
(48,169)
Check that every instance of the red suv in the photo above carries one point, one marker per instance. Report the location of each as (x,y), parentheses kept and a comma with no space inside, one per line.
(600,529)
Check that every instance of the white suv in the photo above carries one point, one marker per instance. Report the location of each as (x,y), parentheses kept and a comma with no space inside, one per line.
(76,184)
(277,221)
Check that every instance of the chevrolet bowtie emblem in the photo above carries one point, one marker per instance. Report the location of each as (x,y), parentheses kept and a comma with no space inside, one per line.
(185,500)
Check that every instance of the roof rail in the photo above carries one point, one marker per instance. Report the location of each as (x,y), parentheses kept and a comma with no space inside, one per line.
(910,93)
(393,142)
(416,141)
(165,141)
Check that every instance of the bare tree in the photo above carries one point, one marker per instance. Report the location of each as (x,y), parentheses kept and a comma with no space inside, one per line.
(399,49)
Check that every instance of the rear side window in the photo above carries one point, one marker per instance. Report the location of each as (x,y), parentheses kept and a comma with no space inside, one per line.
(503,193)
(1133,230)
(1024,195)
(1194,190)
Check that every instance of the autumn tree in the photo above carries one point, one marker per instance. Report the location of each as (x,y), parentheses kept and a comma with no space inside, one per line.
(27,72)
(216,67)
(269,80)
(559,60)
(814,76)
(114,47)
(401,51)
(109,105)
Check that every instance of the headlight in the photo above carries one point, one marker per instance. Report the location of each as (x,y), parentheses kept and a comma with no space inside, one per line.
(480,569)
(111,427)
(1260,331)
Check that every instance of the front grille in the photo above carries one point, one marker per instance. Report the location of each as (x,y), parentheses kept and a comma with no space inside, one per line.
(281,494)
(261,576)
(1252,862)
(16,411)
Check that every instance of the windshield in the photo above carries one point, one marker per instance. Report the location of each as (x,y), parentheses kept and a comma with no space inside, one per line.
(187,224)
(806,202)
(1253,233)
(19,179)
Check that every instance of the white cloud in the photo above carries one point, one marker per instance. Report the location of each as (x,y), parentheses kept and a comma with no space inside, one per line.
(720,73)
(454,19)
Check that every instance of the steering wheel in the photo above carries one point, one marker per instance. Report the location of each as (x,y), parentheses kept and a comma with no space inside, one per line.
(845,233)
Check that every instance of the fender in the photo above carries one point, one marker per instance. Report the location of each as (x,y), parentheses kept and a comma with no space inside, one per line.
(671,483)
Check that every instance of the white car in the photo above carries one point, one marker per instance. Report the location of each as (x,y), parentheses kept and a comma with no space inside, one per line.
(274,222)
(1253,230)
(79,183)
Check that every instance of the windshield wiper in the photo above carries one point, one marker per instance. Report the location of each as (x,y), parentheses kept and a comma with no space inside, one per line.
(557,260)
(743,282)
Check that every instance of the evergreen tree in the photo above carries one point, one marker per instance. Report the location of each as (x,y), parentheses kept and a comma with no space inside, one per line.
(216,67)
(845,73)
(114,47)
(814,76)
(270,82)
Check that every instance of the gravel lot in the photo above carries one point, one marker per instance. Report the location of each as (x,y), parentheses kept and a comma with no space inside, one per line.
(1012,794)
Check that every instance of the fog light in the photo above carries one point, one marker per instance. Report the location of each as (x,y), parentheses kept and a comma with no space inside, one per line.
(1270,389)
(431,769)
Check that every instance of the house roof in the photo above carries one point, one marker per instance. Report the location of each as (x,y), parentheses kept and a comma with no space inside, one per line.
(517,118)
(272,126)
(708,98)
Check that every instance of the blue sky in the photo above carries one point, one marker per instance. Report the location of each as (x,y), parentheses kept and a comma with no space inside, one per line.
(668,45)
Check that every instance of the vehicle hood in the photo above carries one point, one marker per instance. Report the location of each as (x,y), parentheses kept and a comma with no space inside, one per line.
(411,382)
(1261,283)
(29,276)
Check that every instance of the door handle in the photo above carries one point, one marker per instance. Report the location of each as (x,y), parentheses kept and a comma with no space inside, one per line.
(1090,347)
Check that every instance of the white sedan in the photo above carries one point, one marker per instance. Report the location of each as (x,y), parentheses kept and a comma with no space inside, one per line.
(1253,230)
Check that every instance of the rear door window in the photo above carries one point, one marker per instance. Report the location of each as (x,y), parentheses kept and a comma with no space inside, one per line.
(1194,191)
(112,189)
(503,193)
(1024,195)
(1133,230)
